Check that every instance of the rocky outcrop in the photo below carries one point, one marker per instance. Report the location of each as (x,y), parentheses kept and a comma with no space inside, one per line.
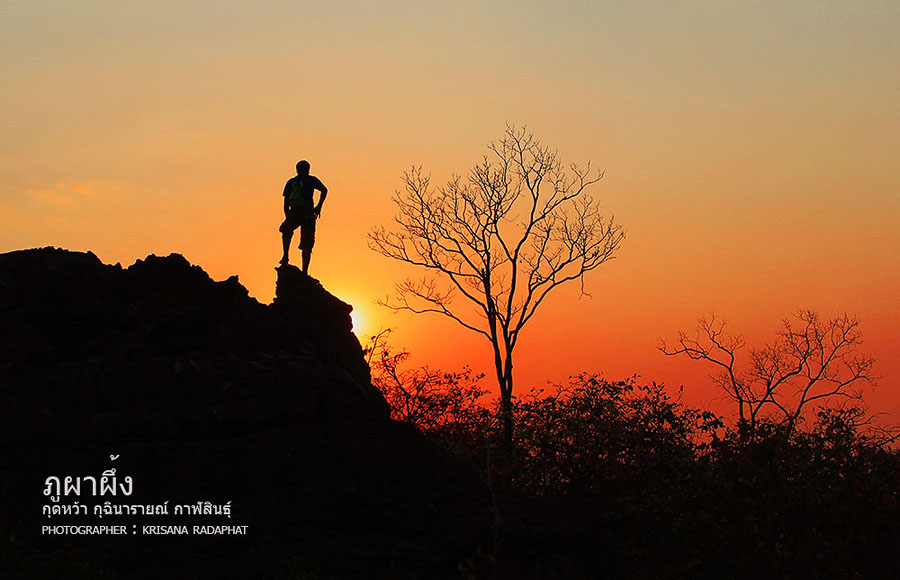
(200,393)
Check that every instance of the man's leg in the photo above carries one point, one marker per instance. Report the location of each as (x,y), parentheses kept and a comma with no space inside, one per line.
(307,240)
(306,254)
(286,234)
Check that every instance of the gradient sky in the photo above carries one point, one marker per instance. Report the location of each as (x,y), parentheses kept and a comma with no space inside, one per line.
(750,151)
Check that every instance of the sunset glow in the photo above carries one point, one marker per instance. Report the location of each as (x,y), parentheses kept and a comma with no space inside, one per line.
(750,153)
(358,317)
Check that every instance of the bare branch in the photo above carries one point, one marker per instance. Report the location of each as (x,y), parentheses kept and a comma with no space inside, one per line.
(811,361)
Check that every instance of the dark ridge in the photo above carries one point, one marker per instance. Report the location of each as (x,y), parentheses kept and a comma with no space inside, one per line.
(207,395)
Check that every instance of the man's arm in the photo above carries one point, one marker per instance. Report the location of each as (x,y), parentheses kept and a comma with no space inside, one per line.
(323,192)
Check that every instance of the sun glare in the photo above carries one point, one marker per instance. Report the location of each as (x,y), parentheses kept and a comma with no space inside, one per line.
(358,321)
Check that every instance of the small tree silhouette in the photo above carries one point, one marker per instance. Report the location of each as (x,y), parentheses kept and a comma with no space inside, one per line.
(517,226)
(430,399)
(811,360)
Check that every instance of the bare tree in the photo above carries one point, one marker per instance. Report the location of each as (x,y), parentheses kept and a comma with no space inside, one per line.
(811,360)
(517,226)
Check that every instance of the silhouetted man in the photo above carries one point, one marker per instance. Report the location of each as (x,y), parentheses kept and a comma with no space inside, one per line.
(299,211)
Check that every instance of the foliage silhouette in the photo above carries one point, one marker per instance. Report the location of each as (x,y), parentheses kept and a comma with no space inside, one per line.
(446,406)
(639,485)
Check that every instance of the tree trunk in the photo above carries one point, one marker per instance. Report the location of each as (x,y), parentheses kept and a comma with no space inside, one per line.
(507,421)
(506,407)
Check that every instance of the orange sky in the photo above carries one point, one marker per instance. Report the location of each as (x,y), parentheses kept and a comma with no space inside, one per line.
(750,152)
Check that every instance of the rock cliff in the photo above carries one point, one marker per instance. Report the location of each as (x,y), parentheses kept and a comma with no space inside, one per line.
(197,392)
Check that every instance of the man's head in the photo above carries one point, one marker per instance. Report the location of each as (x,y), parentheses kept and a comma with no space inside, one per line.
(303,167)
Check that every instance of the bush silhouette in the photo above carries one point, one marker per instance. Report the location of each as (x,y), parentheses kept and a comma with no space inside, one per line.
(655,488)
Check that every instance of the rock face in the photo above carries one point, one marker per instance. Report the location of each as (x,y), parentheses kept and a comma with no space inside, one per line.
(199,393)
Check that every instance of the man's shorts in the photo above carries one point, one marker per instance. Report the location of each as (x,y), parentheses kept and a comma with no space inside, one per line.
(306,221)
